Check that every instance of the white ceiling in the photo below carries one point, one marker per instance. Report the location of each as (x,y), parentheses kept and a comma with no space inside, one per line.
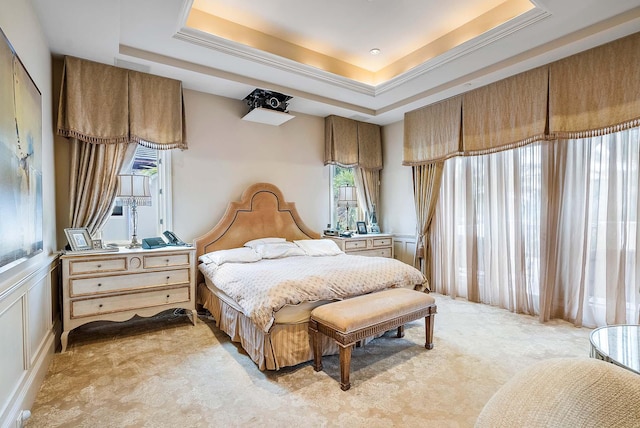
(317,51)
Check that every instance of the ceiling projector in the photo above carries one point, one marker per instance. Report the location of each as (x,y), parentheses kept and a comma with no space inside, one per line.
(261,98)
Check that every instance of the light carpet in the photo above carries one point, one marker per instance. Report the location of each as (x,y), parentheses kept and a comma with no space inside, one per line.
(164,372)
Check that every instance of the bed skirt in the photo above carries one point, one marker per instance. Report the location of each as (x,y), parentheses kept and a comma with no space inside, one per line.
(285,345)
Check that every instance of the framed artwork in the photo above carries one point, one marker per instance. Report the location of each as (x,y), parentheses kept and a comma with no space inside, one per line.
(79,238)
(362,227)
(20,161)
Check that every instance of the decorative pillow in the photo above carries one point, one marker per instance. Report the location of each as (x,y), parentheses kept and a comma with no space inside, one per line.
(319,247)
(279,250)
(234,255)
(254,243)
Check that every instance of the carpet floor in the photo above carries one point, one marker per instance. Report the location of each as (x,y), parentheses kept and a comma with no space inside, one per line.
(164,372)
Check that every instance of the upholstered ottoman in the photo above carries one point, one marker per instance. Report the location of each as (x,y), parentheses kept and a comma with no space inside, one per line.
(566,392)
(349,321)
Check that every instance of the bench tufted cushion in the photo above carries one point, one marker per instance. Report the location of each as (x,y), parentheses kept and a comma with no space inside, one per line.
(566,392)
(370,309)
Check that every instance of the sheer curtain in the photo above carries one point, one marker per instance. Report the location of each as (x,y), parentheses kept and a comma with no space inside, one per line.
(486,229)
(549,229)
(591,268)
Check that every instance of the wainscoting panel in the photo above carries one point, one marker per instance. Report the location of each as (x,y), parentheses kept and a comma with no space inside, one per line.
(27,339)
(39,314)
(404,247)
(13,355)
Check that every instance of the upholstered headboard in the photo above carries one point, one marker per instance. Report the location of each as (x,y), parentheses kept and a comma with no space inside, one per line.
(262,212)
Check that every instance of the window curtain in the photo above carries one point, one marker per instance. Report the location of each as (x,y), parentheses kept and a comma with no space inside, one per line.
(426,189)
(431,135)
(105,111)
(351,143)
(596,92)
(368,191)
(548,229)
(486,229)
(592,266)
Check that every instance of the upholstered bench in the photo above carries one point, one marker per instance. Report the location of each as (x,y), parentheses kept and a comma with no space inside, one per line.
(351,320)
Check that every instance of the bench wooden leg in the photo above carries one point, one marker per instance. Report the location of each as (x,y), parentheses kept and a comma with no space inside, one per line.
(400,331)
(315,347)
(428,324)
(345,366)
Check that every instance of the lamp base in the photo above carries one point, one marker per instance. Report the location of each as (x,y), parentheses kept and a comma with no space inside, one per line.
(134,243)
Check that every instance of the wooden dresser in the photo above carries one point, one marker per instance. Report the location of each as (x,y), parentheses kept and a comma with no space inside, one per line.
(115,286)
(378,244)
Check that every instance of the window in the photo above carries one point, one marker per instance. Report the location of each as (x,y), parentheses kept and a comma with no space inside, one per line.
(154,219)
(341,176)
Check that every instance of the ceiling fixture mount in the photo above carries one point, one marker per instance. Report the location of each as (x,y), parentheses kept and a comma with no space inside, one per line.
(375,51)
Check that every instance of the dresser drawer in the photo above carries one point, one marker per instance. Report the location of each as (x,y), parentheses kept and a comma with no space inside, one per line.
(165,260)
(379,252)
(127,302)
(113,264)
(355,245)
(108,284)
(382,242)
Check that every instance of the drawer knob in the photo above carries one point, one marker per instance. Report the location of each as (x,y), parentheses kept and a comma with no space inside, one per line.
(168,295)
(99,266)
(167,261)
(99,284)
(100,305)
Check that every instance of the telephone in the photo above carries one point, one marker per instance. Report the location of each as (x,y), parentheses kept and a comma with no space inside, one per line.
(172,239)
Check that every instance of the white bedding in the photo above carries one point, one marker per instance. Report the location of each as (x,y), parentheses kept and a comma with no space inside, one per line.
(262,288)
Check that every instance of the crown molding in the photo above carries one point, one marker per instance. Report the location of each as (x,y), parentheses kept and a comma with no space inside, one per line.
(526,19)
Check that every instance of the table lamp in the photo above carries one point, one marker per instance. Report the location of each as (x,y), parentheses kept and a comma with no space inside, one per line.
(347,197)
(133,191)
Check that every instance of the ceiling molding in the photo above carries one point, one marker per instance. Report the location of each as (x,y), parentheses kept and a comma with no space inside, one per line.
(239,50)
(526,19)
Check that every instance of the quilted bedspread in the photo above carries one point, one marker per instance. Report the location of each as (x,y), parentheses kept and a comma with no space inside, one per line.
(263,287)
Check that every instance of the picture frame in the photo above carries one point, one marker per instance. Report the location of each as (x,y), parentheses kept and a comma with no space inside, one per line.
(362,227)
(97,244)
(79,238)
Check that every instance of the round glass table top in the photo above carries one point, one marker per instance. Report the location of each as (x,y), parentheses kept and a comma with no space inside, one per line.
(618,344)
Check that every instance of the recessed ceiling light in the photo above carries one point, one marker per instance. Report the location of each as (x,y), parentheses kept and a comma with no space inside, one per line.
(375,51)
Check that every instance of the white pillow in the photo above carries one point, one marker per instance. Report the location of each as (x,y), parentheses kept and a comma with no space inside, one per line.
(319,247)
(254,243)
(279,250)
(234,255)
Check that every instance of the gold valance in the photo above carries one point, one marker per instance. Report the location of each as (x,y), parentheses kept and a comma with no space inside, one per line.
(433,132)
(351,143)
(93,102)
(505,114)
(596,92)
(103,104)
(369,146)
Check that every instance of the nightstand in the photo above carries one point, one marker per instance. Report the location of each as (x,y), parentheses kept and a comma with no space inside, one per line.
(115,286)
(374,244)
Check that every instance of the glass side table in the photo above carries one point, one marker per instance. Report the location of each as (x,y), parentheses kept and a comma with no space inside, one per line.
(617,344)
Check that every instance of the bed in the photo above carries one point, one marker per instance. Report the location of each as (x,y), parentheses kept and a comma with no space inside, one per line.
(272,324)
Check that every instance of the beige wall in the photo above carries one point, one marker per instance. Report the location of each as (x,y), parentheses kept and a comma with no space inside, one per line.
(227,154)
(28,291)
(396,193)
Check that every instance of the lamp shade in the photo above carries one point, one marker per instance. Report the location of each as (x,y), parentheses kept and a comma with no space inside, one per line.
(347,196)
(134,189)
